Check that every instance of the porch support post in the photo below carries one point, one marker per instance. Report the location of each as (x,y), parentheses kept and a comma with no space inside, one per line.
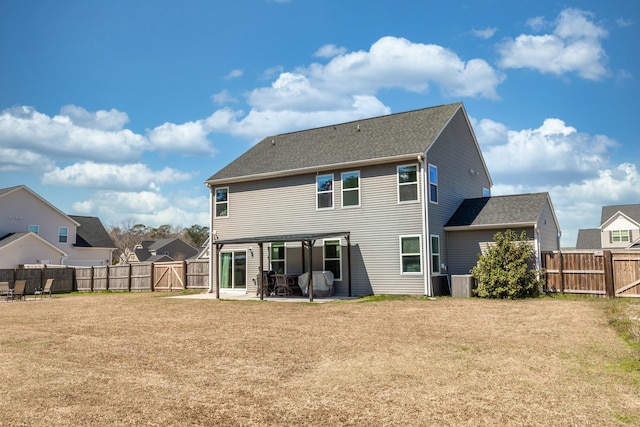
(261,274)
(348,237)
(217,278)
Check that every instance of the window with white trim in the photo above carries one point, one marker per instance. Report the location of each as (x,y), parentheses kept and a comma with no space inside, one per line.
(619,236)
(407,183)
(433,183)
(351,189)
(486,192)
(222,202)
(34,229)
(410,255)
(333,258)
(278,263)
(435,253)
(63,234)
(324,191)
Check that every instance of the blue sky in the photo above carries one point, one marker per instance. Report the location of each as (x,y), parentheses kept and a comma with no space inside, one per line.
(122,109)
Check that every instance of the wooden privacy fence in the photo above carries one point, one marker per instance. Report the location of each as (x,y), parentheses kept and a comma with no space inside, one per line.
(158,276)
(602,273)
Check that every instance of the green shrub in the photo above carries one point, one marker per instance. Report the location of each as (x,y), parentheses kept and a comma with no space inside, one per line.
(504,271)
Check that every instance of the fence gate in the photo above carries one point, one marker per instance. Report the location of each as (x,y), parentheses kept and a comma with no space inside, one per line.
(626,274)
(169,276)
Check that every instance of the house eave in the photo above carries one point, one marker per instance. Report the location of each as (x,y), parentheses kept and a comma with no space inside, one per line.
(313,169)
(489,226)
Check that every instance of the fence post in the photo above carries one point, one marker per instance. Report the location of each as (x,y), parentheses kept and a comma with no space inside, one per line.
(151,278)
(107,281)
(129,278)
(561,272)
(608,275)
(184,275)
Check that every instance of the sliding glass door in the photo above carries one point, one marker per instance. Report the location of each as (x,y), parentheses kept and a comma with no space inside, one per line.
(233,270)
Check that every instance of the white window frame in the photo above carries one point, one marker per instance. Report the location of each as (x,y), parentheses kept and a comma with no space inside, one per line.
(34,229)
(433,184)
(623,236)
(283,260)
(339,259)
(330,192)
(216,202)
(416,182)
(347,190)
(413,254)
(486,192)
(435,266)
(62,235)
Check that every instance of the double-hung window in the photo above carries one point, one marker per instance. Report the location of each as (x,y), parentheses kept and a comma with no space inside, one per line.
(350,189)
(433,183)
(410,255)
(222,202)
(278,258)
(324,191)
(407,183)
(435,253)
(620,236)
(34,229)
(333,258)
(63,234)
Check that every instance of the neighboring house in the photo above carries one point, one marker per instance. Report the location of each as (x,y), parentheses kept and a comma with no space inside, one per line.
(371,198)
(619,229)
(161,250)
(32,231)
(471,229)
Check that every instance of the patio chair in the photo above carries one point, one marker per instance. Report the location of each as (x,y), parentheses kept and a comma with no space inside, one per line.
(5,291)
(47,289)
(18,289)
(282,285)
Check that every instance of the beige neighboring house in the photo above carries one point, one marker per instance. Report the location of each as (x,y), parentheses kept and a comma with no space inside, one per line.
(33,231)
(619,229)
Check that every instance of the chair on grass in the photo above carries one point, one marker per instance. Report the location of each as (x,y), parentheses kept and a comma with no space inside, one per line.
(5,291)
(282,285)
(47,289)
(18,289)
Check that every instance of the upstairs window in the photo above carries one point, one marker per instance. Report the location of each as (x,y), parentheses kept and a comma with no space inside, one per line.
(410,254)
(486,192)
(333,258)
(63,234)
(278,258)
(619,236)
(222,202)
(324,191)
(407,183)
(351,189)
(433,184)
(34,229)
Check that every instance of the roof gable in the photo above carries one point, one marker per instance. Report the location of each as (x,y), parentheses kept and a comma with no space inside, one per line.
(619,217)
(9,190)
(631,211)
(520,209)
(377,139)
(91,233)
(15,238)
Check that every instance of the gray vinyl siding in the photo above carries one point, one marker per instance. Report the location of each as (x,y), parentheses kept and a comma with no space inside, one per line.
(465,246)
(548,230)
(288,206)
(455,154)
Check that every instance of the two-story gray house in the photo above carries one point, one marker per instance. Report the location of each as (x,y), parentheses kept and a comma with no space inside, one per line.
(619,229)
(371,197)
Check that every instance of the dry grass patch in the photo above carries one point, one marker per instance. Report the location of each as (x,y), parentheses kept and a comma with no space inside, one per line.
(142,359)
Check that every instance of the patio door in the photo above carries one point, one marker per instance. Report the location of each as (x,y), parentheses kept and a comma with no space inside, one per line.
(233,270)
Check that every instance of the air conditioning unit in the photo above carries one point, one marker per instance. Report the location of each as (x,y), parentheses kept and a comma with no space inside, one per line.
(462,286)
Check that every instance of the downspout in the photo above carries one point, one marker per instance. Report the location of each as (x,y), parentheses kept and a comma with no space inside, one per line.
(211,237)
(428,287)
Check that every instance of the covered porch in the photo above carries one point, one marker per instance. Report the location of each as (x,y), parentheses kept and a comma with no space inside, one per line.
(307,241)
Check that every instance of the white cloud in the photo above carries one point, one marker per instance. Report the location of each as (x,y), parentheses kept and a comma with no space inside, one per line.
(485,33)
(573,47)
(100,175)
(186,138)
(329,51)
(18,160)
(223,97)
(112,120)
(624,22)
(234,74)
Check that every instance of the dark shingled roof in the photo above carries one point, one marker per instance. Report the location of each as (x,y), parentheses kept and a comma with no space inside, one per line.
(589,238)
(384,137)
(91,233)
(499,210)
(632,211)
